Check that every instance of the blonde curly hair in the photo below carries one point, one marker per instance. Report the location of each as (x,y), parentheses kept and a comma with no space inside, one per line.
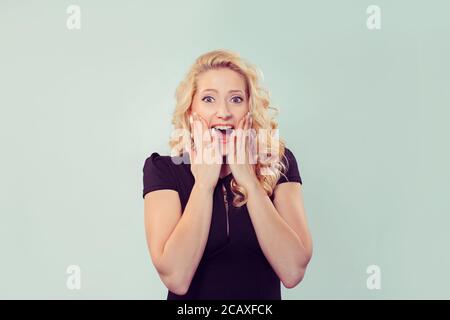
(269,167)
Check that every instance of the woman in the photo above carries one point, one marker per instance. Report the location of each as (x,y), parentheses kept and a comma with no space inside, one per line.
(222,220)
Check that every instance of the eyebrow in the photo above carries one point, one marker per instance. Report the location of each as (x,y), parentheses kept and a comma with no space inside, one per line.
(228,91)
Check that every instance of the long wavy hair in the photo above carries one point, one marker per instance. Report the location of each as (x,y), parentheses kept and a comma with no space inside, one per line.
(268,167)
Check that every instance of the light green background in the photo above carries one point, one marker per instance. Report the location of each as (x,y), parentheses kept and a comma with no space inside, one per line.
(365,112)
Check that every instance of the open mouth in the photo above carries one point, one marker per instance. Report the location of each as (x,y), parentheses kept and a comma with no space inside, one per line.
(224,131)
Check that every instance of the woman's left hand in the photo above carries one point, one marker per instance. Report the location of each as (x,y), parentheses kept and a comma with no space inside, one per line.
(243,154)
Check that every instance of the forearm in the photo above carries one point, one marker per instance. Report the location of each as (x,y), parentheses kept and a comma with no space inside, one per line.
(280,244)
(184,248)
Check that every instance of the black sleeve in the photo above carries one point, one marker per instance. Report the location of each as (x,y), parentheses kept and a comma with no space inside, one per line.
(158,174)
(292,173)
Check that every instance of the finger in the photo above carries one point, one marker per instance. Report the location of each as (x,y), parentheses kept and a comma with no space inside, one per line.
(191,132)
(197,141)
(247,122)
(246,137)
(206,133)
(239,128)
(192,154)
(241,122)
(244,132)
(216,145)
(197,135)
(251,147)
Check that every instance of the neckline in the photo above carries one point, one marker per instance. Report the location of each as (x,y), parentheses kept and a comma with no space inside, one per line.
(225,177)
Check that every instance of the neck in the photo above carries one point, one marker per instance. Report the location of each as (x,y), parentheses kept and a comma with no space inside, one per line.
(225,170)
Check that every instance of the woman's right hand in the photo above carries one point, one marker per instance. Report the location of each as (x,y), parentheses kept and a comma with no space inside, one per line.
(205,157)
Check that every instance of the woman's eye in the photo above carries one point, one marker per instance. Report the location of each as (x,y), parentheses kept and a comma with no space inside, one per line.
(208,99)
(237,99)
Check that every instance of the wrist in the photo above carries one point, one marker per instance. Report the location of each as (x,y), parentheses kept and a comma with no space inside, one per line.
(203,188)
(253,186)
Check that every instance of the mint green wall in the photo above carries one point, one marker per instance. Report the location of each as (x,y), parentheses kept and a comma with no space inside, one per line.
(366,113)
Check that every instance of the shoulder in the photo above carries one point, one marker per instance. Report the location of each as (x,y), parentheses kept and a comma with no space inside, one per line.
(163,160)
(288,157)
(159,173)
(291,172)
(157,160)
(288,153)
(165,164)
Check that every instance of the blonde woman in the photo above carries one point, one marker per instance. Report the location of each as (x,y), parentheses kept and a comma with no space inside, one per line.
(216,227)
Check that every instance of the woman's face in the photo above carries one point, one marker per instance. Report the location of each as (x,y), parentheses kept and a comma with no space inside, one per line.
(221,100)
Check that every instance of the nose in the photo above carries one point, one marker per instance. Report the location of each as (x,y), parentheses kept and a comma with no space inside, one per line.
(223,112)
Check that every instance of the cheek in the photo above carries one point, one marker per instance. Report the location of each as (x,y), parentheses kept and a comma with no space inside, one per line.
(203,112)
(200,108)
(195,106)
(239,115)
(243,111)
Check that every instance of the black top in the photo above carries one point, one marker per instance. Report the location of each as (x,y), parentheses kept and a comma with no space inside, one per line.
(233,266)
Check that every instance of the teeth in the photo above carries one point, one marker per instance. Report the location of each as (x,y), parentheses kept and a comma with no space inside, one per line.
(223,127)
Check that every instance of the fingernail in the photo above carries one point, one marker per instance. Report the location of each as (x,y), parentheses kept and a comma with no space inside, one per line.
(190,119)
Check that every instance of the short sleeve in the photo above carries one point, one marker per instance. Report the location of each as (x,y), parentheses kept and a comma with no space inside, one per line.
(158,174)
(292,172)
